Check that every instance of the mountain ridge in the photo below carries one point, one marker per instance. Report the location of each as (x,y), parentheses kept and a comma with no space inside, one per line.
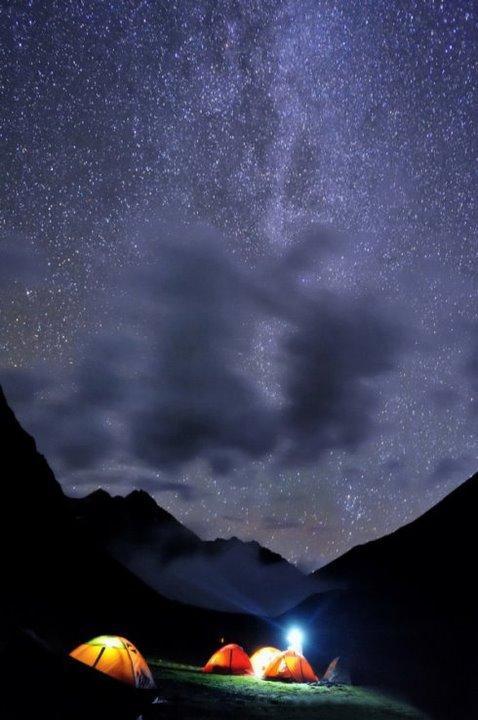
(139,499)
(404,608)
(224,574)
(417,551)
(61,586)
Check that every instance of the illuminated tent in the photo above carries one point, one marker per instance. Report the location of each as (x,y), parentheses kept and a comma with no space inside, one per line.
(117,657)
(229,660)
(262,658)
(289,666)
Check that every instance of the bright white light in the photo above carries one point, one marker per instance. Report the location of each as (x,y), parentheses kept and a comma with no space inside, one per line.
(295,639)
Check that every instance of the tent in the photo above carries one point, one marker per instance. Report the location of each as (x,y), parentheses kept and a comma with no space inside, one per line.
(117,657)
(262,658)
(289,666)
(229,660)
(336,673)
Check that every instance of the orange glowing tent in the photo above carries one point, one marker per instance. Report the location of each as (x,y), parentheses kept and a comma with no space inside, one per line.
(262,658)
(289,666)
(229,660)
(117,657)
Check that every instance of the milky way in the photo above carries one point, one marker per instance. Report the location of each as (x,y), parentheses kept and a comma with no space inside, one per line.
(238,257)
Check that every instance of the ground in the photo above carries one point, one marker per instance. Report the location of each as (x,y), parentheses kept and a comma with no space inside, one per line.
(187,693)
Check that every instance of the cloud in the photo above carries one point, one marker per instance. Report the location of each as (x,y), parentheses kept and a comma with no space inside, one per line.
(201,403)
(176,379)
(250,580)
(339,344)
(23,384)
(72,434)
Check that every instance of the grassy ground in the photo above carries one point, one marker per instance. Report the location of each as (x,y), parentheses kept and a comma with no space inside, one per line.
(187,693)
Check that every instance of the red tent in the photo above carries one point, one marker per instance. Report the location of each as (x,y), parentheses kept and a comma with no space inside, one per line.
(229,660)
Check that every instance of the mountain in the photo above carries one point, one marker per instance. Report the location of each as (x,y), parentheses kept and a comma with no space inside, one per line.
(229,575)
(404,614)
(60,587)
(432,551)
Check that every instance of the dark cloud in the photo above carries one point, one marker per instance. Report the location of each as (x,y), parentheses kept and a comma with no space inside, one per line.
(82,444)
(102,378)
(338,346)
(201,403)
(23,384)
(175,381)
(204,403)
(78,436)
(70,431)
(333,347)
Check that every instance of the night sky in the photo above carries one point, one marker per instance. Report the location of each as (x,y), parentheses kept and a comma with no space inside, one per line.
(238,257)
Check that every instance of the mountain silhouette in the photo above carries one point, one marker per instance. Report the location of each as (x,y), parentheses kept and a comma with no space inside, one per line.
(230,574)
(432,551)
(403,614)
(61,587)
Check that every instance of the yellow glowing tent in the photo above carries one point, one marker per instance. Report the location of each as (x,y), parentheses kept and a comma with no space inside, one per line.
(117,657)
(262,658)
(290,666)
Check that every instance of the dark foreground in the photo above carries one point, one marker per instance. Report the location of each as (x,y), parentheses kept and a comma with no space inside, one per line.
(404,619)
(187,693)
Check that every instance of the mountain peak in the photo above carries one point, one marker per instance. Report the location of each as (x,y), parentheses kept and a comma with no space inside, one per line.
(141,499)
(142,504)
(100,495)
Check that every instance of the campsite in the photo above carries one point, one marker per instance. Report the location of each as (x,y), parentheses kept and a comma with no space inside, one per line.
(265,685)
(378,630)
(238,360)
(387,635)
(189,694)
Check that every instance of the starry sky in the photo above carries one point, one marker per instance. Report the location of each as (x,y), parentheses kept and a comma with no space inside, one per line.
(238,257)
